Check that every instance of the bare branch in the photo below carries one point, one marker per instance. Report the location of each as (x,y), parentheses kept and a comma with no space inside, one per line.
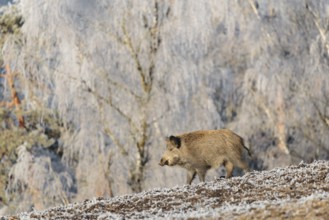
(109,132)
(159,117)
(321,30)
(104,74)
(322,115)
(253,6)
(124,88)
(120,86)
(14,96)
(110,102)
(128,42)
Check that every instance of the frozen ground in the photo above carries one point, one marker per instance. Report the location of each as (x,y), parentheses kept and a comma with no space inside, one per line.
(295,192)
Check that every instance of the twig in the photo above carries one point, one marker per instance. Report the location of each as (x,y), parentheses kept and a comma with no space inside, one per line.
(321,30)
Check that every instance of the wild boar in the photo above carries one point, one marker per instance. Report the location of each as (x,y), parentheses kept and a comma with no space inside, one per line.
(199,151)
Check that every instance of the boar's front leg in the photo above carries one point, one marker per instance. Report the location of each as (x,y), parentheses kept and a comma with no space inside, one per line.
(201,175)
(190,176)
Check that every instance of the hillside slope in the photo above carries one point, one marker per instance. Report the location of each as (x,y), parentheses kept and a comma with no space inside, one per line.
(294,192)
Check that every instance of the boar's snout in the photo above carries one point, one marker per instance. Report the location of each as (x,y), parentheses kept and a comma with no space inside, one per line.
(163,162)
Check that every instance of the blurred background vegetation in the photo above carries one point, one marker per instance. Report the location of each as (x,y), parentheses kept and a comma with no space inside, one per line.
(90,89)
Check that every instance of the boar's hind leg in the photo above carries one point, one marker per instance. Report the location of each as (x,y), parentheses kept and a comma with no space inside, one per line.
(243,166)
(190,176)
(229,168)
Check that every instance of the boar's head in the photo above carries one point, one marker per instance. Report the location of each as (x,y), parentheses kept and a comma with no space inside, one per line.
(171,156)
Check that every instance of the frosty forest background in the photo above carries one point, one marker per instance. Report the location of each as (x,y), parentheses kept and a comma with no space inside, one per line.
(90,89)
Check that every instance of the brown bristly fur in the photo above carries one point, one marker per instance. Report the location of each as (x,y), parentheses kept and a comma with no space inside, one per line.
(199,151)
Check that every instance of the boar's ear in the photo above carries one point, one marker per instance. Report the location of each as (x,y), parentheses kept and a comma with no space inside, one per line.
(175,141)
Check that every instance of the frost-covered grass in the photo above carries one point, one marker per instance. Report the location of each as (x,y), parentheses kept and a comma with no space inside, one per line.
(300,191)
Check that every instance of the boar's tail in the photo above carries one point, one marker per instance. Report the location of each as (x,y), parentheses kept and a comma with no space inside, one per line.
(249,153)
